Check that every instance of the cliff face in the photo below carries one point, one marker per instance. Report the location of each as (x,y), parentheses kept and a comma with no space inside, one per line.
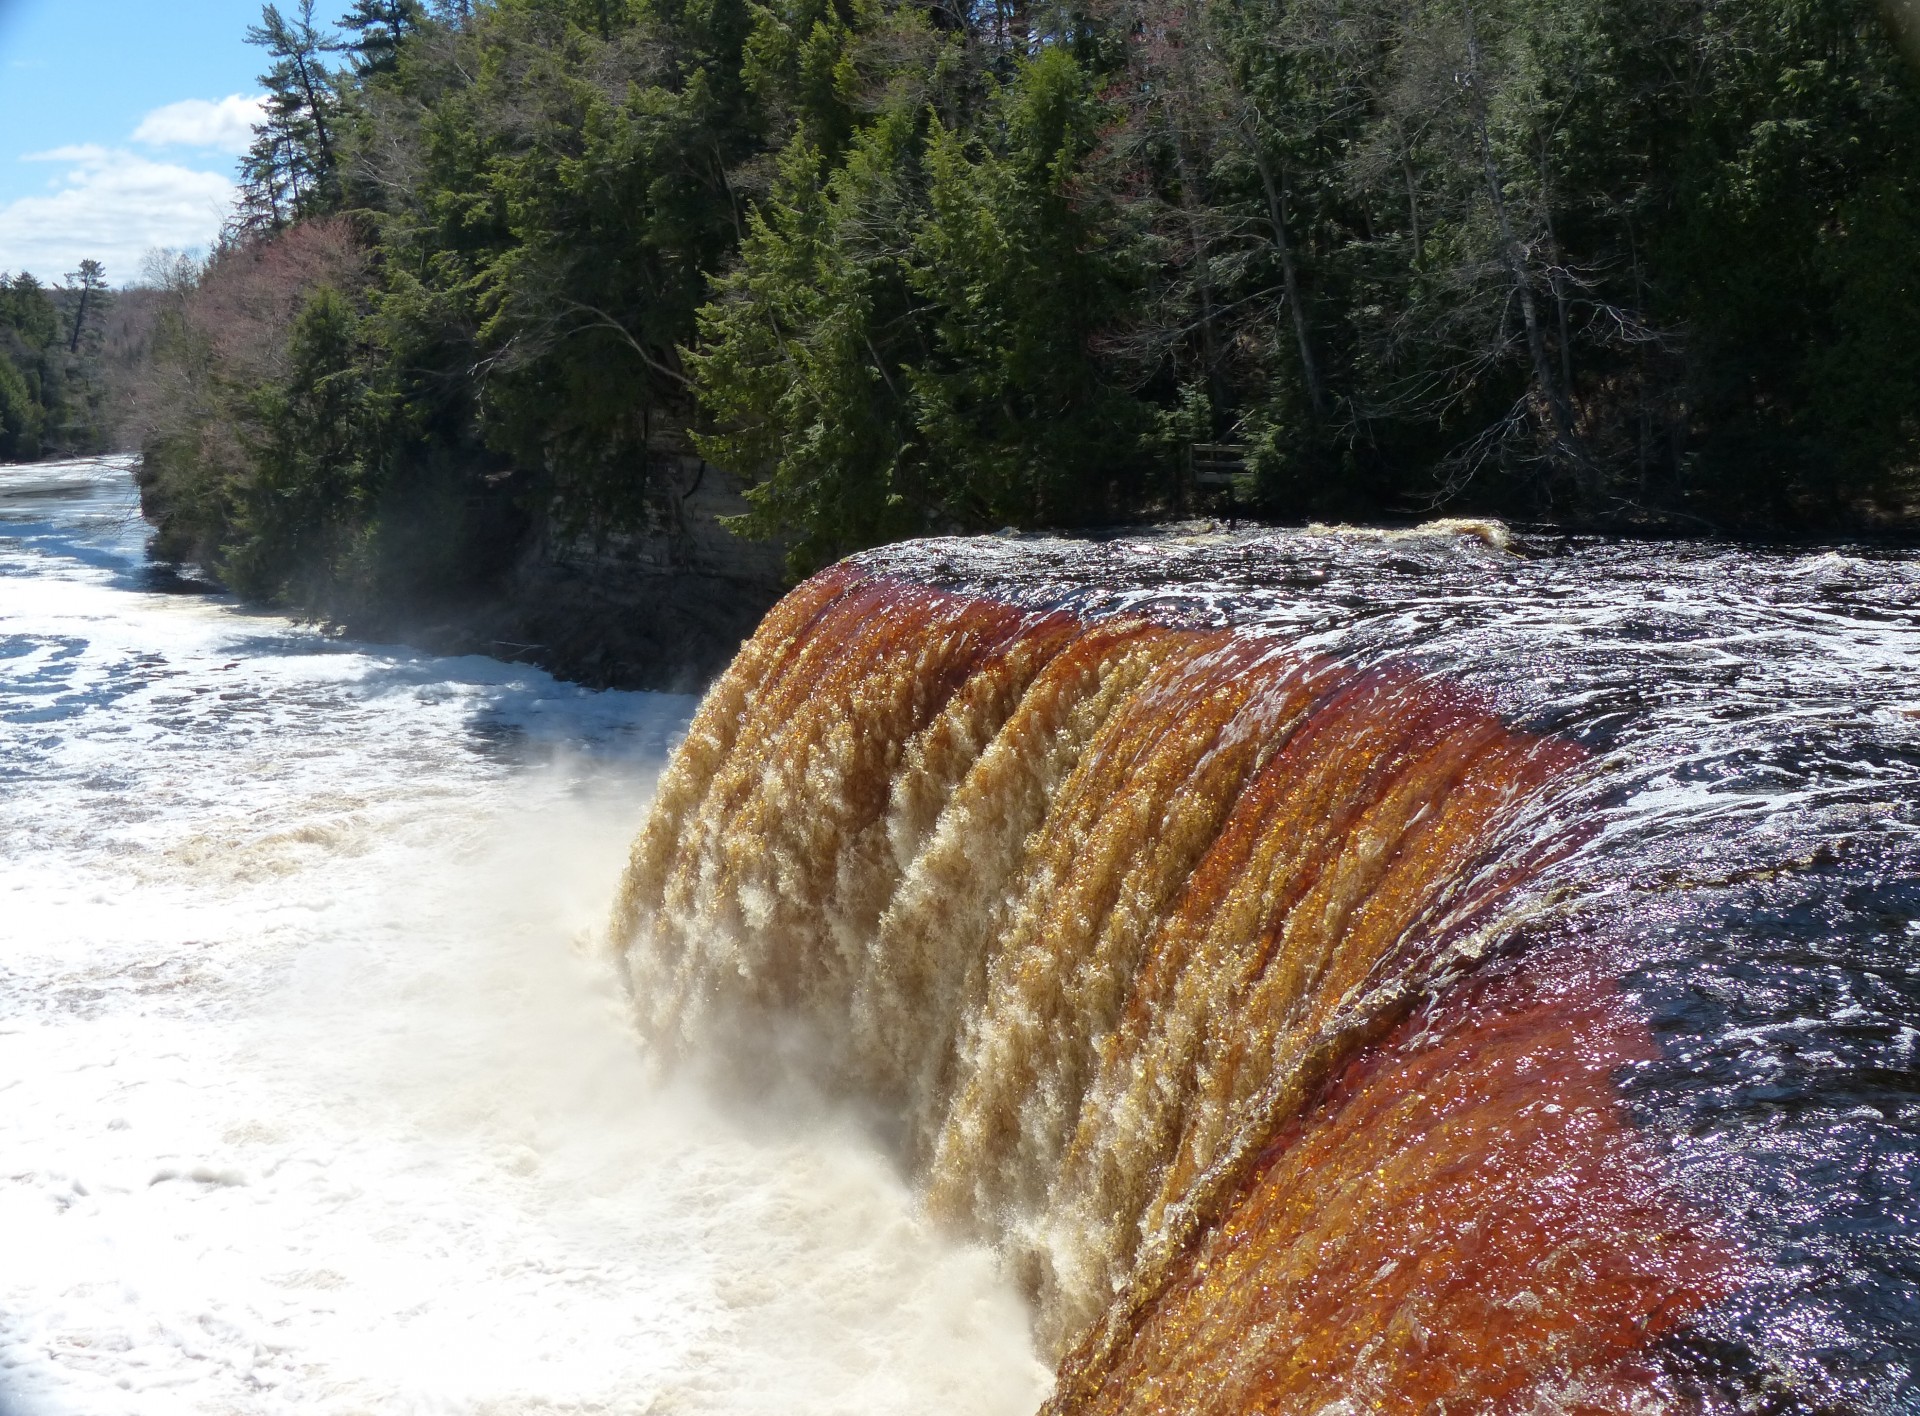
(665,606)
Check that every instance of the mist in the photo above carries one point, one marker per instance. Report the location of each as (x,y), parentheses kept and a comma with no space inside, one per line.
(320,1090)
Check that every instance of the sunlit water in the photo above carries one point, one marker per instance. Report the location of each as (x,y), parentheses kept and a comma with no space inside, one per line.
(1748,859)
(314,1093)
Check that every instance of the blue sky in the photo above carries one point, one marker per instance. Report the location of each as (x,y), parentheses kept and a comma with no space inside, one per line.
(117,133)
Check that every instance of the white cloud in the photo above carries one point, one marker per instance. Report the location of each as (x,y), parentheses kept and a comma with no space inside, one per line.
(114,206)
(226,126)
(87,154)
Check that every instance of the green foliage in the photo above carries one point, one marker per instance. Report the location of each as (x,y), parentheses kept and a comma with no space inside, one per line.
(914,269)
(1509,257)
(1796,251)
(802,59)
(288,458)
(292,168)
(787,361)
(906,345)
(20,416)
(379,27)
(50,393)
(1021,268)
(27,312)
(301,510)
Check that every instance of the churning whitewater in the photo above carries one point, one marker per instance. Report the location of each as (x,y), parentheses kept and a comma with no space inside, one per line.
(318,1095)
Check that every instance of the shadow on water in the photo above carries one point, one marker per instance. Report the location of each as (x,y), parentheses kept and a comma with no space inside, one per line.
(516,715)
(161,578)
(80,545)
(119,548)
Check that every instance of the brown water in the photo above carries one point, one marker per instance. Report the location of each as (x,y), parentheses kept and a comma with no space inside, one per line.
(1340,971)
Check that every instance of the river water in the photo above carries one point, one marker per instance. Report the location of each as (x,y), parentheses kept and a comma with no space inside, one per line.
(314,1092)
(1741,851)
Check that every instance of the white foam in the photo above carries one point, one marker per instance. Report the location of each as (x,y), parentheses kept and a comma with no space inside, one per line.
(314,1098)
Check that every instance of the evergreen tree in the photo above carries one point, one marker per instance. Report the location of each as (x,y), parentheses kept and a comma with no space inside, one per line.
(378,28)
(21,416)
(914,268)
(298,519)
(90,282)
(292,168)
(27,312)
(52,390)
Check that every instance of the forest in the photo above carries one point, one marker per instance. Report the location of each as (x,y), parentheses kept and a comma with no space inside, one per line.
(67,354)
(924,266)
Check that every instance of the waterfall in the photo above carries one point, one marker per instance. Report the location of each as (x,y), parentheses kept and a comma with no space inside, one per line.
(1170,953)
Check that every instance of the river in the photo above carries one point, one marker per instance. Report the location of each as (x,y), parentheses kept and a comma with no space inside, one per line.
(315,1091)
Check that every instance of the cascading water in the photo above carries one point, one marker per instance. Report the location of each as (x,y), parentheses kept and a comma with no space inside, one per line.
(1339,973)
(312,1099)
(1345,971)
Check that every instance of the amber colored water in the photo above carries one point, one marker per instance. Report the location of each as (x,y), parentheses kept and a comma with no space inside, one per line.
(1272,974)
(1466,1222)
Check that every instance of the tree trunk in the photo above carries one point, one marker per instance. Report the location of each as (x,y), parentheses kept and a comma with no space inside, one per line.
(1276,190)
(1413,204)
(304,70)
(1559,410)
(79,319)
(1190,206)
(1558,281)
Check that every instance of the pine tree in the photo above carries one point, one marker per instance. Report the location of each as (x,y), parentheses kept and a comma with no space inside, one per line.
(378,28)
(91,282)
(292,168)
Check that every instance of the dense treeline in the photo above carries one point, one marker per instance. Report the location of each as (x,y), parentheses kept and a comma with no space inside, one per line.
(923,265)
(55,364)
